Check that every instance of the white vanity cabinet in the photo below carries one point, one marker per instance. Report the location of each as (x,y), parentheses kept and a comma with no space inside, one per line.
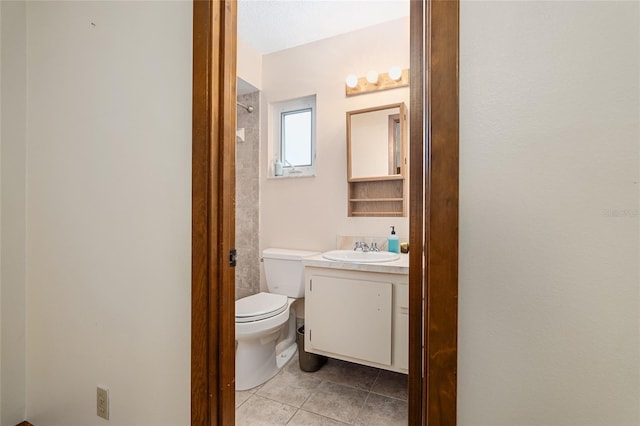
(357,315)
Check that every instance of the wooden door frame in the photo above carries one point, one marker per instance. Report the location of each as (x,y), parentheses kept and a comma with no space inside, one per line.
(213,213)
(433,212)
(435,160)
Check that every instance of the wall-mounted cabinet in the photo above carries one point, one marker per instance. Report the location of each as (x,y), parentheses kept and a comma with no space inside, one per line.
(377,161)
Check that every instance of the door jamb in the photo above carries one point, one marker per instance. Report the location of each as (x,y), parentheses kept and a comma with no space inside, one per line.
(437,265)
(213,213)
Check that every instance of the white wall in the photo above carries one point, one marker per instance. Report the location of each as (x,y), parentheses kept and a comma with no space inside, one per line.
(549,145)
(308,213)
(249,64)
(12,210)
(108,211)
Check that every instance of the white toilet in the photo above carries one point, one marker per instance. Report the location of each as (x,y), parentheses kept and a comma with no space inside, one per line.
(265,322)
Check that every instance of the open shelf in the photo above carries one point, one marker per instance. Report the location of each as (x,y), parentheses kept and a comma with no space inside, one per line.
(377,197)
(364,200)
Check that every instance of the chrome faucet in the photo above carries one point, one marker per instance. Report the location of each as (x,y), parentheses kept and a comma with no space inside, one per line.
(362,246)
(374,247)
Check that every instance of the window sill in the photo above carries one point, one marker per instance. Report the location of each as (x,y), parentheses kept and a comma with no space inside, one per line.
(292,176)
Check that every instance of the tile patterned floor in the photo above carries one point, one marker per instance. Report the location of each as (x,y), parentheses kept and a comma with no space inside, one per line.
(340,393)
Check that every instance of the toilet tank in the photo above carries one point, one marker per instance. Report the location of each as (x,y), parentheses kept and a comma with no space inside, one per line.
(284,271)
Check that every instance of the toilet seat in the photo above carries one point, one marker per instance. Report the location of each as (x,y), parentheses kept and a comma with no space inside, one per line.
(260,306)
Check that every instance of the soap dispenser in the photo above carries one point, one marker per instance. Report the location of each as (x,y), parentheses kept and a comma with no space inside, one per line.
(394,243)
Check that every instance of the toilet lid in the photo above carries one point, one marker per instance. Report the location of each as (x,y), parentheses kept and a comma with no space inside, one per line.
(260,306)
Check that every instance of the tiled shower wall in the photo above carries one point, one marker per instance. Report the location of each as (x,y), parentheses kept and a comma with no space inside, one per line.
(247,198)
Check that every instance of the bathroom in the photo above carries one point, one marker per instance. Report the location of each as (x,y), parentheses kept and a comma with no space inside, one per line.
(308,212)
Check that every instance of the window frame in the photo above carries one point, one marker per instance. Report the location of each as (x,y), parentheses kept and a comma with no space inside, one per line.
(279,110)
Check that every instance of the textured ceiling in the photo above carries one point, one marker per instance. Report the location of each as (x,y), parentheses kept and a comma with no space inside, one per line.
(272,25)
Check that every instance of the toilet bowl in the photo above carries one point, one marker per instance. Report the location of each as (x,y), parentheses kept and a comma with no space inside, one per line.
(257,336)
(266,322)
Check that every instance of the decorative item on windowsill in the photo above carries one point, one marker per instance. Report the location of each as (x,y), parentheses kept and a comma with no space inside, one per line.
(373,81)
(277,167)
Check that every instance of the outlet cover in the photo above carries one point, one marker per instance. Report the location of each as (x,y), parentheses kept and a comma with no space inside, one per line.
(103,403)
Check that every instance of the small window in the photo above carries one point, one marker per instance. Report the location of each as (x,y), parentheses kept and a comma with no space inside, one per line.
(294,138)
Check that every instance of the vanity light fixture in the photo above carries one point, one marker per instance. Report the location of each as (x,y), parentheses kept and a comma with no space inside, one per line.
(372,76)
(373,81)
(395,73)
(352,80)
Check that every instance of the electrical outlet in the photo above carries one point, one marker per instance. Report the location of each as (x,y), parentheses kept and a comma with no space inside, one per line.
(103,403)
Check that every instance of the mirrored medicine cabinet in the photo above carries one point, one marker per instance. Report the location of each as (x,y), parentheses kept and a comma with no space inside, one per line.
(377,160)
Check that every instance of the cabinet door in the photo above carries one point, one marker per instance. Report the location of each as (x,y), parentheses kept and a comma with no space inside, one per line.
(350,317)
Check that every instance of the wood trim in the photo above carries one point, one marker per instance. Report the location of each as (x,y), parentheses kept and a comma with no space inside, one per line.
(374,108)
(433,212)
(200,211)
(213,213)
(227,205)
(376,179)
(441,213)
(416,212)
(385,82)
(393,122)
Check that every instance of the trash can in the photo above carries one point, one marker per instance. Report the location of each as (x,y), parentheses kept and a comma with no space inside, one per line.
(308,362)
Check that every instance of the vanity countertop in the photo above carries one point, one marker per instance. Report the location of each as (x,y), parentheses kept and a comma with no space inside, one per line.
(400,266)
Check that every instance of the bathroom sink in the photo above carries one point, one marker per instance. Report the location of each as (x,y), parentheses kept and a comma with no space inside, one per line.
(360,257)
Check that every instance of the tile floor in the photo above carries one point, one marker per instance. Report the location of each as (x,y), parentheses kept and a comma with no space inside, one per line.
(340,393)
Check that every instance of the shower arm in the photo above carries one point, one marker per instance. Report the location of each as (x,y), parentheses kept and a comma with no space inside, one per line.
(249,108)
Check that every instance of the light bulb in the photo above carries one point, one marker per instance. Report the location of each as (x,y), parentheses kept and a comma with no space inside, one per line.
(372,77)
(352,80)
(395,73)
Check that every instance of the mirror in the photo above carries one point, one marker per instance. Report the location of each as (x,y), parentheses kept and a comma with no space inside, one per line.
(376,142)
